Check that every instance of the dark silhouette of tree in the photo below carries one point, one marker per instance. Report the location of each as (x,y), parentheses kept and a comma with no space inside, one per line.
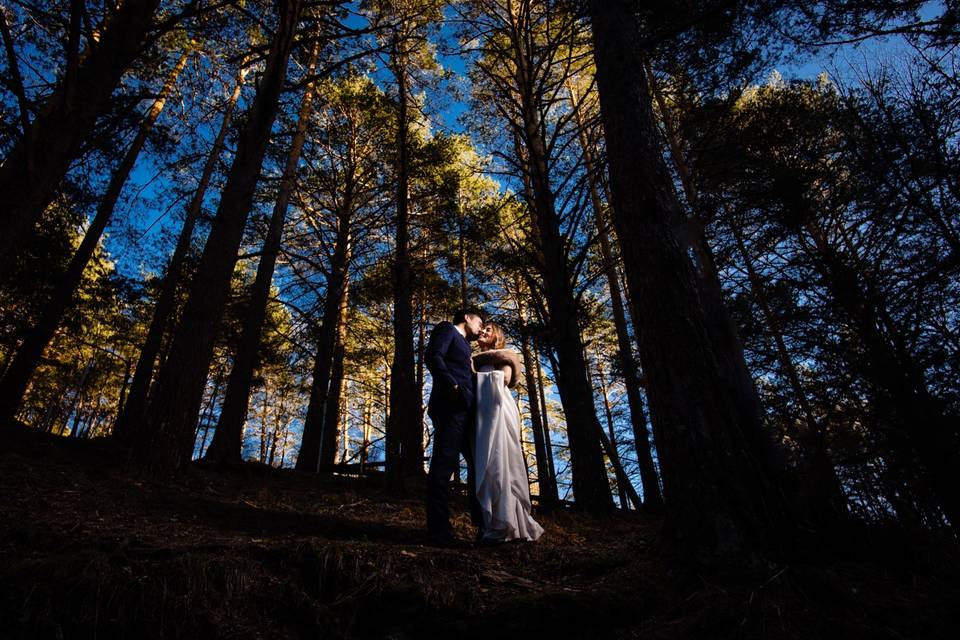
(17,375)
(720,502)
(168,438)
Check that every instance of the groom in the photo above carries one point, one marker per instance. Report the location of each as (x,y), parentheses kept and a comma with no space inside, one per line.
(451,409)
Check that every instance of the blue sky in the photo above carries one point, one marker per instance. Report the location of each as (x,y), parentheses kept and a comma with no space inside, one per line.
(841,63)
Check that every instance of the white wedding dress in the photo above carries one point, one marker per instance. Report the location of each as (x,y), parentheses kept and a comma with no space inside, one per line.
(501,473)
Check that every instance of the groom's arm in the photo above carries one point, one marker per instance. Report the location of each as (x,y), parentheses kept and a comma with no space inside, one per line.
(440,339)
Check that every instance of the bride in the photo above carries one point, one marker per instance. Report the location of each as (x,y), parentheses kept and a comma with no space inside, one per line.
(501,472)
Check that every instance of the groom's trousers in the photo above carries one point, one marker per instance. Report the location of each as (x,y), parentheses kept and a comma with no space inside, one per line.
(451,438)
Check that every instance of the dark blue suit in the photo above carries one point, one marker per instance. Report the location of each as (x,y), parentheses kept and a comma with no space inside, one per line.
(452,412)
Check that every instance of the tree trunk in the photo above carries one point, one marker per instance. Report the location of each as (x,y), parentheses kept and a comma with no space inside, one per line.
(404,434)
(334,411)
(720,325)
(546,483)
(925,423)
(168,441)
(31,173)
(366,418)
(263,427)
(278,430)
(207,412)
(611,434)
(652,498)
(228,435)
(133,413)
(421,367)
(721,505)
(462,259)
(609,444)
(545,415)
(18,374)
(331,419)
(590,486)
(311,446)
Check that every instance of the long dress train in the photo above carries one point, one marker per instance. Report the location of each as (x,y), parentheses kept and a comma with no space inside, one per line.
(501,473)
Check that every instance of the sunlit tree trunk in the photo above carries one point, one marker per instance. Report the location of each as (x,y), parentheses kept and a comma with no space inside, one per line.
(366,419)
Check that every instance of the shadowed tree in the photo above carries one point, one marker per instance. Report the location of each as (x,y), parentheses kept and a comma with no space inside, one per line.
(17,376)
(652,498)
(527,51)
(722,506)
(168,438)
(227,438)
(132,416)
(39,159)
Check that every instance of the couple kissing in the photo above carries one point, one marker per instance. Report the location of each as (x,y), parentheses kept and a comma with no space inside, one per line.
(474,413)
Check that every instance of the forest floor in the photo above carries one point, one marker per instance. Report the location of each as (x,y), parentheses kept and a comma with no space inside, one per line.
(90,550)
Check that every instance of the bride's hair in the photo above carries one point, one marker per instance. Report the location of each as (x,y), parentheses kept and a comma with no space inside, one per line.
(500,338)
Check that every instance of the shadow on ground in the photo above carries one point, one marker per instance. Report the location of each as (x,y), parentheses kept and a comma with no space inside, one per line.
(90,550)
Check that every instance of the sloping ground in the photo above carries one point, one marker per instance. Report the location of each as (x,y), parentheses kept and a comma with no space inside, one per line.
(89,550)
